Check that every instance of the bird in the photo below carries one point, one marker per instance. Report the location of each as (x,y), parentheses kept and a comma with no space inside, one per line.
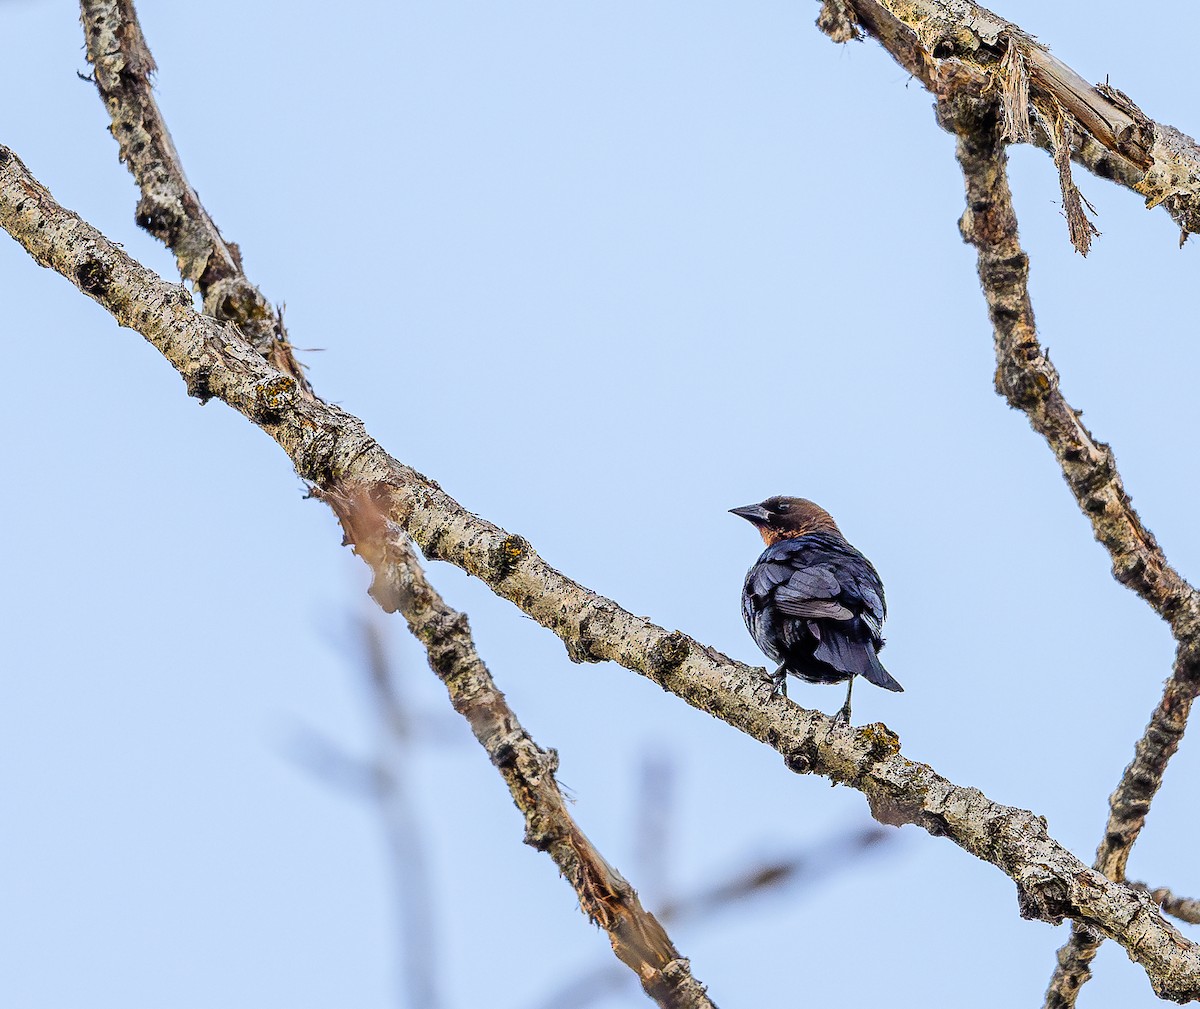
(812,602)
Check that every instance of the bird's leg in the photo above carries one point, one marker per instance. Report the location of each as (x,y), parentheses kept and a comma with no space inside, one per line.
(843,714)
(778,681)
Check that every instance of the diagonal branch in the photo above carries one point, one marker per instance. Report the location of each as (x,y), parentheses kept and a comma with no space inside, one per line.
(638,940)
(1030,383)
(941,40)
(169,208)
(332,450)
(171,211)
(1027,379)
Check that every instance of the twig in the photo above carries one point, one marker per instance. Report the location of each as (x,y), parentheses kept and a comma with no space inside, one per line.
(653,817)
(1127,809)
(169,208)
(727,893)
(951,43)
(835,853)
(1027,379)
(638,940)
(331,448)
(1184,908)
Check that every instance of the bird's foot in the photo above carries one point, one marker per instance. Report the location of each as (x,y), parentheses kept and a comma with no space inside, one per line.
(776,682)
(843,714)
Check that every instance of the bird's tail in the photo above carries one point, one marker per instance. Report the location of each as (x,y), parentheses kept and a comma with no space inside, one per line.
(855,657)
(878,675)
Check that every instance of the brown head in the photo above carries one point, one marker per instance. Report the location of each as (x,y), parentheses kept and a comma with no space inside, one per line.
(782,518)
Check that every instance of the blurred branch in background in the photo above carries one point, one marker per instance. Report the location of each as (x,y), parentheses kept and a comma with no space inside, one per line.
(638,939)
(384,778)
(740,889)
(654,808)
(416,905)
(402,734)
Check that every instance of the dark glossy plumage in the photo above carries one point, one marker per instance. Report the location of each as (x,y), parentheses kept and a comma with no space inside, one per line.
(812,602)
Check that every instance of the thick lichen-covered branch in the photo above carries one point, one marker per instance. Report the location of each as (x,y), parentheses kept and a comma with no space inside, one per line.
(169,208)
(399,585)
(1027,379)
(1111,136)
(331,449)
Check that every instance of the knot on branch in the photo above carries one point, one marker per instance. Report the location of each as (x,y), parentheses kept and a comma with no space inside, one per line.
(163,220)
(1023,388)
(273,397)
(837,20)
(92,277)
(199,383)
(235,299)
(1187,656)
(584,646)
(667,654)
(1041,895)
(805,759)
(580,651)
(507,554)
(967,105)
(507,750)
(882,742)
(955,40)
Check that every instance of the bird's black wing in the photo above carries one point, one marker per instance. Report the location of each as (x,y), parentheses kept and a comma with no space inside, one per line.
(826,578)
(816,604)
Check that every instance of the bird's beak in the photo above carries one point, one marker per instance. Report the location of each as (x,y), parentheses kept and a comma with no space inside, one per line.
(755,513)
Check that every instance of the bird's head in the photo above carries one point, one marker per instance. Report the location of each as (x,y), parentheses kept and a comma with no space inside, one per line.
(781,518)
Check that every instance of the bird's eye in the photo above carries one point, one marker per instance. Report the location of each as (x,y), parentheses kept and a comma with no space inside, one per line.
(781,508)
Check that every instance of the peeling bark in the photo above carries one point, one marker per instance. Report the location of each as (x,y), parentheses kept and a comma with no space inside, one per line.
(956,42)
(400,585)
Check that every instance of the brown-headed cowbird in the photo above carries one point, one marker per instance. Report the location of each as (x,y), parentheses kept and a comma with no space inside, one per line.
(812,602)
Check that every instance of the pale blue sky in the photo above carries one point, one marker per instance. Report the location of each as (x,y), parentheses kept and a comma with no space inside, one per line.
(603,271)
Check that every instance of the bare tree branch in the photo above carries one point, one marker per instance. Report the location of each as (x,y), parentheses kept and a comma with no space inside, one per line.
(1128,806)
(638,940)
(948,44)
(1027,379)
(169,208)
(331,449)
(1184,908)
(729,893)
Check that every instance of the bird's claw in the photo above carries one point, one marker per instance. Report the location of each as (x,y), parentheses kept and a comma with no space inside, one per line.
(776,683)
